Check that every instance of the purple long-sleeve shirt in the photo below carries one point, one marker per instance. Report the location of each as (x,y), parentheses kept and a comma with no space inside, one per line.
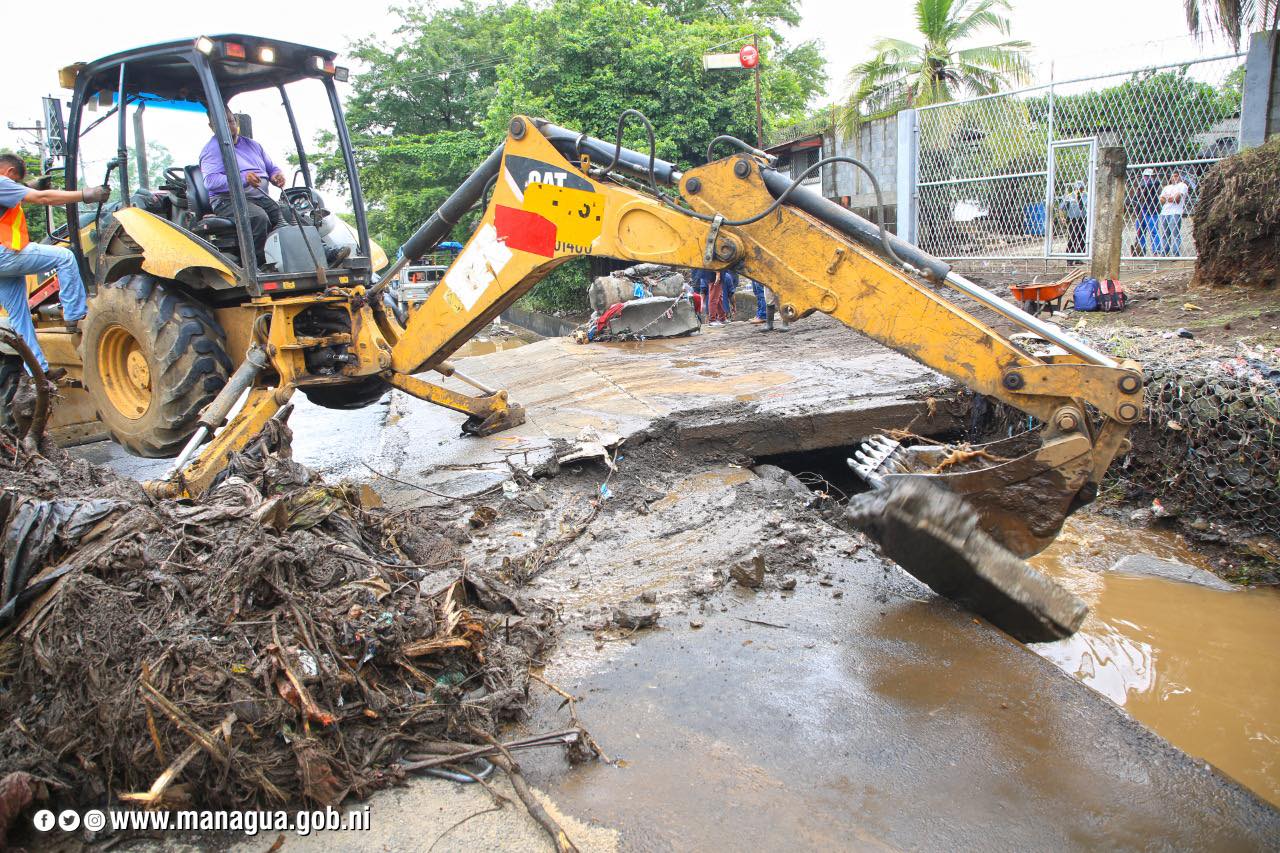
(249,155)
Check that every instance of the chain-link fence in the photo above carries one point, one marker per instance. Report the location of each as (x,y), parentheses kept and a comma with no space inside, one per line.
(1010,176)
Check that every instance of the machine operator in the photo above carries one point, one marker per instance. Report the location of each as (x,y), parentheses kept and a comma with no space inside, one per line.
(256,167)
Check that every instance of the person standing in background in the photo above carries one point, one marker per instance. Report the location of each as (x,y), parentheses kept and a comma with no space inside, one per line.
(715,300)
(701,286)
(728,287)
(1074,207)
(1174,200)
(758,289)
(773,311)
(1146,211)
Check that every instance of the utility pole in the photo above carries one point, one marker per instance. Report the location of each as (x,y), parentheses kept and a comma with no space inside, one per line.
(38,131)
(755,42)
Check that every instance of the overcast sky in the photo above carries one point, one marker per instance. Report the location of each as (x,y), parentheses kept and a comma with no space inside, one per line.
(1081,36)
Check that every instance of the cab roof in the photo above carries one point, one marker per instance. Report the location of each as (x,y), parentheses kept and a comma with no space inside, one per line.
(165,70)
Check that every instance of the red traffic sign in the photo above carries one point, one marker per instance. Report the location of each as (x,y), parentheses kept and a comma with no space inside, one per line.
(749,56)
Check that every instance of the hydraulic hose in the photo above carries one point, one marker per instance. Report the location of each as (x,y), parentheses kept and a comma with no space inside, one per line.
(447,215)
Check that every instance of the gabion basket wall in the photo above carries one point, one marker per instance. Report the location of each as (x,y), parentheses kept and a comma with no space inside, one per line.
(1211,442)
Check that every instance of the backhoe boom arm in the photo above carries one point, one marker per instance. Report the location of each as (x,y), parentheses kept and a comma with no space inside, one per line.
(553,200)
(551,194)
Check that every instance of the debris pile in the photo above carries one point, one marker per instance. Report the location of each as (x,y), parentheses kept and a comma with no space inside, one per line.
(1237,221)
(275,642)
(620,285)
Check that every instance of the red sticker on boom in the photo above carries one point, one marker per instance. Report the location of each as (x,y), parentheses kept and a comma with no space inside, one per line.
(525,231)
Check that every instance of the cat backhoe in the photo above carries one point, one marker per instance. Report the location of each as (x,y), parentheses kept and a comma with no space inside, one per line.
(548,194)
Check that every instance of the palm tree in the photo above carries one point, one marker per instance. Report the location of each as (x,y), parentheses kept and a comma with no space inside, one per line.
(902,74)
(1232,18)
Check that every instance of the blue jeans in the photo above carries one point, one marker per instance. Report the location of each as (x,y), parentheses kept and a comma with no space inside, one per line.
(37,258)
(1149,233)
(758,289)
(1171,234)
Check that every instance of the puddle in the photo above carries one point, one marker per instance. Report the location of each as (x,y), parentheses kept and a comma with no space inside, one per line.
(481,345)
(1198,666)
(864,722)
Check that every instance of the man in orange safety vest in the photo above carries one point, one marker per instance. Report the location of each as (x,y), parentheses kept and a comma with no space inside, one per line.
(19,257)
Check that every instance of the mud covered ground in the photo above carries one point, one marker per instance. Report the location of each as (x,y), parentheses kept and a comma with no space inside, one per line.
(758,674)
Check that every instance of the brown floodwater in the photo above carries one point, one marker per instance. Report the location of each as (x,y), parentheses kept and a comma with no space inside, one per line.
(1199,666)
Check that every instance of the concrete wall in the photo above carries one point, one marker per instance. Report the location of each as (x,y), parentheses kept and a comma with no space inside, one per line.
(875,143)
(1260,116)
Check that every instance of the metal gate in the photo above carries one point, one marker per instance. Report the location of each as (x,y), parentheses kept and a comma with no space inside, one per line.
(1069,199)
(992,174)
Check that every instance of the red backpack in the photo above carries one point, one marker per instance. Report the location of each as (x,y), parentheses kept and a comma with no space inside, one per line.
(1111,295)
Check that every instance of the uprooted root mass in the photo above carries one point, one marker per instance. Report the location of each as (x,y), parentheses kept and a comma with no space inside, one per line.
(1237,223)
(276,641)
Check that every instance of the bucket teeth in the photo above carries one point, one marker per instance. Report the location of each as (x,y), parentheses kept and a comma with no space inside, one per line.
(877,457)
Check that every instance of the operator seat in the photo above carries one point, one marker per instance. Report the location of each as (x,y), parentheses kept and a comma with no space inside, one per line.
(218,230)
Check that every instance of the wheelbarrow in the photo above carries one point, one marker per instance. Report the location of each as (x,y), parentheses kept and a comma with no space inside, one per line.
(1034,298)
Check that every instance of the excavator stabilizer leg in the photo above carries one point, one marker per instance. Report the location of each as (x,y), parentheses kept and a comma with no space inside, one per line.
(486,415)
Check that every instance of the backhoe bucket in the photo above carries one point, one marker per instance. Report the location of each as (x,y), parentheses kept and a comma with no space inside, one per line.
(961,518)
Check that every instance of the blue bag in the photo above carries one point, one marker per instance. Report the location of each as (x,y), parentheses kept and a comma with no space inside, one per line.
(1085,296)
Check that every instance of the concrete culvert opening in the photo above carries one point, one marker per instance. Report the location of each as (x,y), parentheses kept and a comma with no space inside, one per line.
(823,471)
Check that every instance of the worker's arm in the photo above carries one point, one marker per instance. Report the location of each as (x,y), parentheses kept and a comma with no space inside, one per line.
(274,173)
(57,198)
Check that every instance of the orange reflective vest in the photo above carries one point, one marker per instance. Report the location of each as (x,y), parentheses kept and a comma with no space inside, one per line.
(13,229)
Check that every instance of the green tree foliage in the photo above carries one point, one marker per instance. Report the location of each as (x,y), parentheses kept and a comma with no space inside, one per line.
(435,100)
(1157,116)
(1231,18)
(905,74)
(620,54)
(416,115)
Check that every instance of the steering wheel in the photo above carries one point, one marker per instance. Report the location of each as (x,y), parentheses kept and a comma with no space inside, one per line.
(175,180)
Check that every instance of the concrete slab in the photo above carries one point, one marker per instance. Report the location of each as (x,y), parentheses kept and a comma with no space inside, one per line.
(819,385)
(879,716)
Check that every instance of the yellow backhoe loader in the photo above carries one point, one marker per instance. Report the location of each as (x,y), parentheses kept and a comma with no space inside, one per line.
(550,194)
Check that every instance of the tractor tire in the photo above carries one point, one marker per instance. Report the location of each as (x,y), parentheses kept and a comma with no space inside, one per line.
(357,395)
(11,375)
(153,358)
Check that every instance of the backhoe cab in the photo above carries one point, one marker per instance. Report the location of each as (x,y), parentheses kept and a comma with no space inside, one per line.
(175,289)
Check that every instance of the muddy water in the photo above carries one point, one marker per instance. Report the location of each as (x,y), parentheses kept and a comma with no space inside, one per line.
(1199,666)
(481,345)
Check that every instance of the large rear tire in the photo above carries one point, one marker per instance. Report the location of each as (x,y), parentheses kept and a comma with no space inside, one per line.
(153,358)
(11,374)
(355,395)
